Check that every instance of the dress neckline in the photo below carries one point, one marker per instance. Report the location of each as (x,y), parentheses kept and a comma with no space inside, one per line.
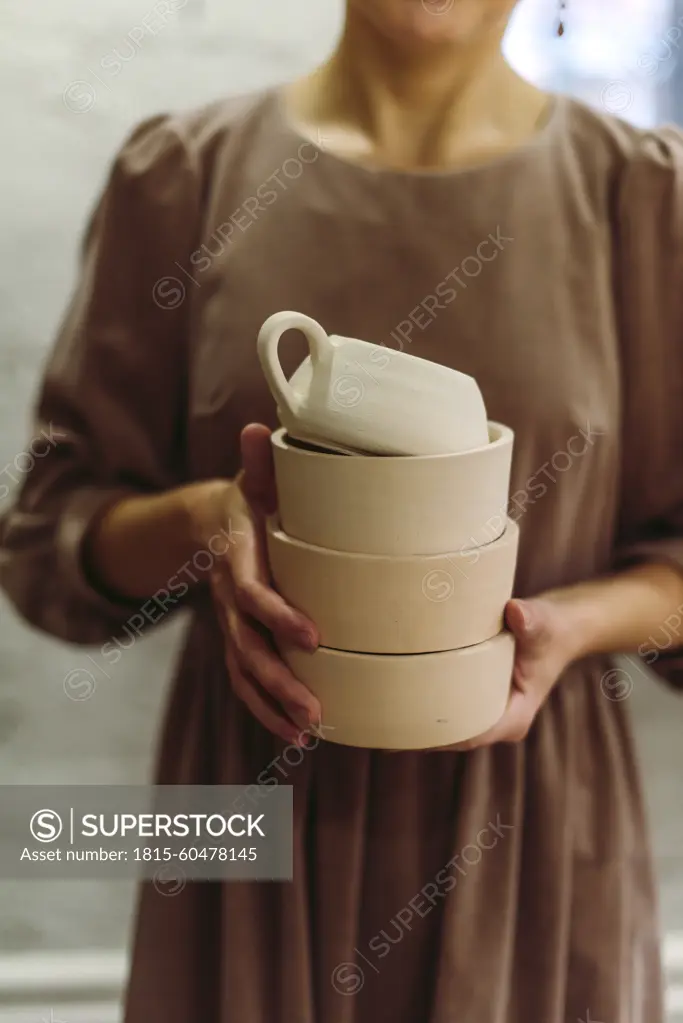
(550,123)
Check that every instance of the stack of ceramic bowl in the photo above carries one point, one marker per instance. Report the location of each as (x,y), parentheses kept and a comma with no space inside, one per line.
(403,560)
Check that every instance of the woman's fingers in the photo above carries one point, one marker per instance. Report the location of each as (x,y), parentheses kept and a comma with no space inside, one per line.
(258,676)
(247,690)
(258,479)
(256,597)
(262,603)
(259,660)
(244,578)
(248,604)
(249,558)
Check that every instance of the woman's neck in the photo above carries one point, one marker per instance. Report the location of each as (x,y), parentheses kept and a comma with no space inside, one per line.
(432,108)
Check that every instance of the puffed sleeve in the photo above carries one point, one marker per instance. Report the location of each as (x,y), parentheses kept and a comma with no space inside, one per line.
(649,264)
(110,413)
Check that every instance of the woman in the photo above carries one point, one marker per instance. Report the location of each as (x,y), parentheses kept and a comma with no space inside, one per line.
(570,319)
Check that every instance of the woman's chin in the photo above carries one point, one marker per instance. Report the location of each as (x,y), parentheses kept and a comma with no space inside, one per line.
(423,24)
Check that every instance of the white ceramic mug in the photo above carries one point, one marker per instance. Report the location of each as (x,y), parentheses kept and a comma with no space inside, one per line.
(361,397)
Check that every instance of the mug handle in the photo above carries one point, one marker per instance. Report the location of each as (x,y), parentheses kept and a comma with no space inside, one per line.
(267,346)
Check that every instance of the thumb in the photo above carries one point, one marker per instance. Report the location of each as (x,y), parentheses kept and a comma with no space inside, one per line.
(258,481)
(524,621)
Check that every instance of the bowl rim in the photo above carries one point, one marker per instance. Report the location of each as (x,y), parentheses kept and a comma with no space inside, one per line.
(274,530)
(504,438)
(472,649)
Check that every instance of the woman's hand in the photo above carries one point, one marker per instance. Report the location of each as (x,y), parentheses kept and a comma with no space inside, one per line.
(251,613)
(545,646)
(618,612)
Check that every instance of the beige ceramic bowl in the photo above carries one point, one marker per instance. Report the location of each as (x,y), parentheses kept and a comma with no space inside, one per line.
(397,605)
(424,504)
(415,701)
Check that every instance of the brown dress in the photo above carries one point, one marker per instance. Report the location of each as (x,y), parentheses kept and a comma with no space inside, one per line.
(512,884)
